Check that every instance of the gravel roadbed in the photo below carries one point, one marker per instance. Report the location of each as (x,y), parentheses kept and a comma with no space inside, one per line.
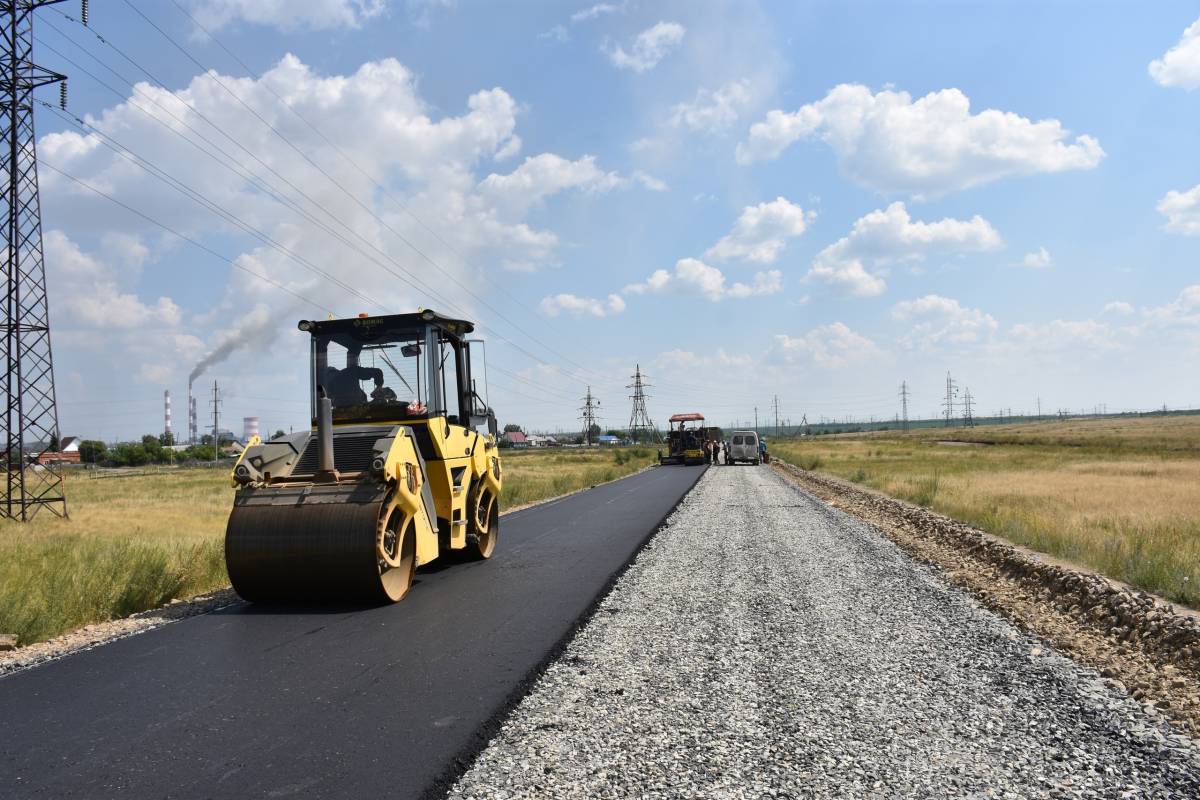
(1147,644)
(767,645)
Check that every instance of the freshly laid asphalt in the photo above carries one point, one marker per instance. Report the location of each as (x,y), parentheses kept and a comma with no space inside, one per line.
(317,702)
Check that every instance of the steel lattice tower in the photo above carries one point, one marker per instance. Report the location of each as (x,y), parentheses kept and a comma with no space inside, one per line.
(639,419)
(31,416)
(588,414)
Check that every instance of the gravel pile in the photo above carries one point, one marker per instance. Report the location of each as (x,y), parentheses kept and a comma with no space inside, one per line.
(766,645)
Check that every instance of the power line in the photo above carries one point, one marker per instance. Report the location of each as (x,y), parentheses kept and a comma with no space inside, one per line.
(341,187)
(195,196)
(348,159)
(904,403)
(184,237)
(405,273)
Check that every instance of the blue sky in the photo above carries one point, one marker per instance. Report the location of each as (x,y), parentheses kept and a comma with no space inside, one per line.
(809,200)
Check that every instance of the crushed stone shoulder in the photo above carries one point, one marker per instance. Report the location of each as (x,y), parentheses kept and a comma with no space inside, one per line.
(765,644)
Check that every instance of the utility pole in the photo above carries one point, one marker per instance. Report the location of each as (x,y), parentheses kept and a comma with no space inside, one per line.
(1039,407)
(776,415)
(948,403)
(904,405)
(588,415)
(756,420)
(216,405)
(968,417)
(30,406)
(639,420)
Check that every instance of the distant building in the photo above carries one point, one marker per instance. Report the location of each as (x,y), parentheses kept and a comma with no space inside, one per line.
(608,441)
(538,440)
(67,453)
(516,438)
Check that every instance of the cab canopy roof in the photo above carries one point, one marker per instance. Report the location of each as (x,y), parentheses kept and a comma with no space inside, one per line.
(371,326)
(690,416)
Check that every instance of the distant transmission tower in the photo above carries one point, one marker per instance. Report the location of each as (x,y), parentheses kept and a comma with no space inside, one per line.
(588,415)
(968,409)
(31,413)
(948,403)
(904,405)
(641,428)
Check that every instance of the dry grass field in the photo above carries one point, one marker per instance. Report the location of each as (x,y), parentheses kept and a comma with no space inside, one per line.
(137,539)
(1121,496)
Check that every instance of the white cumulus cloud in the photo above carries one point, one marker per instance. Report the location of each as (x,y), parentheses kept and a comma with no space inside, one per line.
(761,232)
(376,247)
(694,276)
(936,319)
(594,11)
(649,47)
(1085,335)
(831,346)
(543,175)
(1182,210)
(582,306)
(288,15)
(1038,259)
(889,235)
(90,293)
(929,146)
(713,111)
(1183,311)
(1119,307)
(1180,66)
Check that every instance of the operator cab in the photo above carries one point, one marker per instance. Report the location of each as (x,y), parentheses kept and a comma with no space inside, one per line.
(396,368)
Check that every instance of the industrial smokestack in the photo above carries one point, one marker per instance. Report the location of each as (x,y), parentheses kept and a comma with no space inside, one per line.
(167,412)
(192,432)
(249,428)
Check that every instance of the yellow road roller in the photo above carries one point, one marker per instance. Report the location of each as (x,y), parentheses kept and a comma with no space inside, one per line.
(400,466)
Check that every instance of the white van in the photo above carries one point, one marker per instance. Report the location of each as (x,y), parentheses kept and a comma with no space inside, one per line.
(743,447)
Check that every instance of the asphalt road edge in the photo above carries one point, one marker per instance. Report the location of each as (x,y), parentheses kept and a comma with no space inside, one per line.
(465,758)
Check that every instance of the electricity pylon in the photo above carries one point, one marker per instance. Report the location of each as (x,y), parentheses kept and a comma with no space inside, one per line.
(34,481)
(641,428)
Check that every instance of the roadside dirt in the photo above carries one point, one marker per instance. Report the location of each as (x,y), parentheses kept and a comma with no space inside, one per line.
(1139,642)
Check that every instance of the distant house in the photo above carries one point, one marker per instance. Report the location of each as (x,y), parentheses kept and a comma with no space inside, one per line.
(608,441)
(516,438)
(538,440)
(68,452)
